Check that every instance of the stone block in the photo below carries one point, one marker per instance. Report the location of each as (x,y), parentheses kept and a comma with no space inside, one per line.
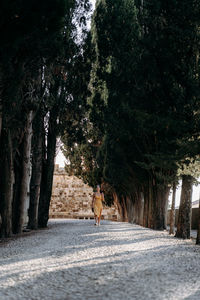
(72,198)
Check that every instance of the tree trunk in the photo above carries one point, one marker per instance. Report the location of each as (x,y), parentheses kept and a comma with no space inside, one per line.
(16,189)
(172,211)
(155,206)
(25,168)
(124,208)
(151,207)
(141,209)
(0,117)
(198,230)
(157,209)
(0,144)
(6,183)
(130,207)
(161,203)
(185,210)
(146,207)
(138,208)
(47,173)
(36,176)
(119,206)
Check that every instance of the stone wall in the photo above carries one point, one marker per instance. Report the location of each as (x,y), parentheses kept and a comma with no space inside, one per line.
(71,198)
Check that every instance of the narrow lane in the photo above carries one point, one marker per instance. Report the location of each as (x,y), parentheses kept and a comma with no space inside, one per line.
(73,259)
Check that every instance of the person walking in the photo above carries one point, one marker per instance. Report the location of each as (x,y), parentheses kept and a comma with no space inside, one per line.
(97,205)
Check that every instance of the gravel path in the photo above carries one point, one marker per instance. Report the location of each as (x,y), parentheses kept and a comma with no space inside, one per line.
(75,260)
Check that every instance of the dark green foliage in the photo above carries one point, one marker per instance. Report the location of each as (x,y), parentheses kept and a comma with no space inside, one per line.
(38,53)
(144,103)
(153,97)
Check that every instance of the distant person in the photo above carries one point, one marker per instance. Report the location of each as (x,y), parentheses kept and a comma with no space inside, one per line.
(97,205)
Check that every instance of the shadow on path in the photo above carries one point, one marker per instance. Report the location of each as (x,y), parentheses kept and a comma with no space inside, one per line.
(76,260)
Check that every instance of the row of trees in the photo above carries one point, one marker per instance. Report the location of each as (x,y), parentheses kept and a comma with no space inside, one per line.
(141,123)
(124,98)
(41,58)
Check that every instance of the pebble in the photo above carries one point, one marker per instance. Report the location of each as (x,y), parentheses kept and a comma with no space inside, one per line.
(75,260)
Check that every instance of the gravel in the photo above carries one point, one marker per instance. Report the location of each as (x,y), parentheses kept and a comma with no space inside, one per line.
(73,259)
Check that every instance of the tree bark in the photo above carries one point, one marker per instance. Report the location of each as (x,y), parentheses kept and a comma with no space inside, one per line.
(25,168)
(172,211)
(138,208)
(161,203)
(16,189)
(198,230)
(36,176)
(6,183)
(130,207)
(185,210)
(47,172)
(119,207)
(141,208)
(0,144)
(122,209)
(157,206)
(151,207)
(146,207)
(0,117)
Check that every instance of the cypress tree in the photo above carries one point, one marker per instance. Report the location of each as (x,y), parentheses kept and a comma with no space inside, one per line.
(144,99)
(31,41)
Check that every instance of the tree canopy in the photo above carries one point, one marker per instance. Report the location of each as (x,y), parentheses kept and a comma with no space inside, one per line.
(143,118)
